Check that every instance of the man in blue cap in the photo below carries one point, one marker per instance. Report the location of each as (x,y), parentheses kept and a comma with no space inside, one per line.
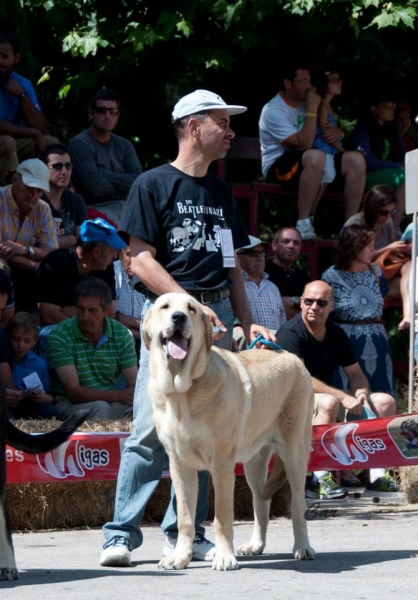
(63,269)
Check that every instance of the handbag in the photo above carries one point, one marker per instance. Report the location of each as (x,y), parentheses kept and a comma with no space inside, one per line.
(391,263)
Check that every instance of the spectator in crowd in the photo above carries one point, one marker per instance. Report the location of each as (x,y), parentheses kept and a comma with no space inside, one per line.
(358,306)
(29,371)
(68,209)
(378,138)
(403,122)
(22,124)
(264,297)
(329,86)
(170,257)
(88,353)
(27,231)
(324,347)
(105,164)
(63,269)
(287,132)
(282,270)
(378,208)
(12,395)
(129,301)
(7,308)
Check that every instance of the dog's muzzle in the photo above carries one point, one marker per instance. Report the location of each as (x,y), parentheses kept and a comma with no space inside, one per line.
(176,345)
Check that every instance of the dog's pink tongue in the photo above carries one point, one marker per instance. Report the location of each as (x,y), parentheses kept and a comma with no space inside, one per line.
(177,347)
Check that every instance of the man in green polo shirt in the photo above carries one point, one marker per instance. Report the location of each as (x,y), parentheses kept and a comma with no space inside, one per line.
(88,353)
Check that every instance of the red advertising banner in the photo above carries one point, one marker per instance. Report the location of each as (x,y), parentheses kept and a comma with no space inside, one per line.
(383,442)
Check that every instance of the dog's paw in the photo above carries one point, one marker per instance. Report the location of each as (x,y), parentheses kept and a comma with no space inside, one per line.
(173,563)
(307,553)
(226,562)
(8,573)
(251,548)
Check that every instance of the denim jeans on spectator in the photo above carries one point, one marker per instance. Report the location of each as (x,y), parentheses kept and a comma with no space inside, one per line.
(143,457)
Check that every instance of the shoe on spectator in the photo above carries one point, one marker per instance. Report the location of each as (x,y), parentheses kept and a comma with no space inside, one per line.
(326,488)
(116,552)
(203,549)
(383,484)
(306,230)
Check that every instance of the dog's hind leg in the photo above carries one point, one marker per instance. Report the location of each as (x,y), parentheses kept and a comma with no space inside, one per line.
(256,473)
(295,455)
(275,480)
(185,482)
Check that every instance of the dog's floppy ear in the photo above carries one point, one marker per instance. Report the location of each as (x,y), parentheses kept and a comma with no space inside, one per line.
(146,328)
(208,331)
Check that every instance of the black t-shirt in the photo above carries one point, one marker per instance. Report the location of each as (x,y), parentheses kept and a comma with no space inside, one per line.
(182,217)
(59,274)
(320,358)
(72,214)
(291,282)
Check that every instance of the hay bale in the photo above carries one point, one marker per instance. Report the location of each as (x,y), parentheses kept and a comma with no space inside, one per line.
(34,506)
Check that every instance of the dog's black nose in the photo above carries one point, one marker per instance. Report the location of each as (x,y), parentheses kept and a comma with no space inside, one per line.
(178,317)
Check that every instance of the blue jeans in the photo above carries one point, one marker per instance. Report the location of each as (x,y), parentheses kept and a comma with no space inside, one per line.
(143,457)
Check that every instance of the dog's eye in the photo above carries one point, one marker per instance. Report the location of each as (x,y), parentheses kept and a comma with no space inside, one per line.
(191,308)
(165,305)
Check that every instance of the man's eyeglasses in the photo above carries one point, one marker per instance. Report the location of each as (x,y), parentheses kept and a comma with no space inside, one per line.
(60,166)
(102,110)
(386,213)
(254,253)
(321,302)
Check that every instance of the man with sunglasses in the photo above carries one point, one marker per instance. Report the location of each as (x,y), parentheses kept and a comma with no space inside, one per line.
(324,347)
(105,164)
(264,297)
(68,209)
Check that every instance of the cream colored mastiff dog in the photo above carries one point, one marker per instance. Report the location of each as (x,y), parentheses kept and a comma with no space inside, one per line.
(214,408)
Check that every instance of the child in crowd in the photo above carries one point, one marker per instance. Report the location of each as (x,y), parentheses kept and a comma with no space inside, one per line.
(329,86)
(29,371)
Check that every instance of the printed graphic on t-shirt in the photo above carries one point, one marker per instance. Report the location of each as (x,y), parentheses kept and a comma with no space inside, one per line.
(198,231)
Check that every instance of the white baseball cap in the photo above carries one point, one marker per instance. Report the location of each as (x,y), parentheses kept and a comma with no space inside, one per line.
(202,100)
(35,173)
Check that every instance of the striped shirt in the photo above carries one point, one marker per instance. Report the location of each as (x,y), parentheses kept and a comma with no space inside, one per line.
(128,301)
(265,302)
(37,229)
(97,366)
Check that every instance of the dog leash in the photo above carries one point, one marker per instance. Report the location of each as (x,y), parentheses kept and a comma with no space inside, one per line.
(260,339)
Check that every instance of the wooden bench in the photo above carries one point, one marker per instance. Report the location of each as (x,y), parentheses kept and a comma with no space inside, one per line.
(246,150)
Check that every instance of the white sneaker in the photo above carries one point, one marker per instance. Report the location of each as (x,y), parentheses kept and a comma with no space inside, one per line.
(306,230)
(203,549)
(116,552)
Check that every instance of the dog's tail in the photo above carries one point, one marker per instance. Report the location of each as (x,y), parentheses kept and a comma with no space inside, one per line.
(275,480)
(37,443)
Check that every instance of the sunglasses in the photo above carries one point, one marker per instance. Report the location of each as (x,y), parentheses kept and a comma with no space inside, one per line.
(386,213)
(102,110)
(60,166)
(321,302)
(254,253)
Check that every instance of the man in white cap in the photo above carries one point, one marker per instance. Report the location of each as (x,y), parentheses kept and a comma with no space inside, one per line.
(263,295)
(27,230)
(183,227)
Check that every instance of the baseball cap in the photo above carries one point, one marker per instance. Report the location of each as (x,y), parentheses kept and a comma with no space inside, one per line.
(255,241)
(99,230)
(202,100)
(34,173)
